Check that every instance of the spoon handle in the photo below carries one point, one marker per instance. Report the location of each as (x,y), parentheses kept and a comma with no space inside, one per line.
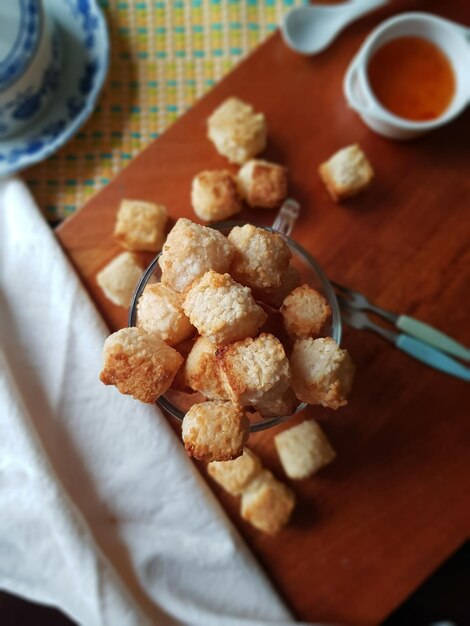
(361,7)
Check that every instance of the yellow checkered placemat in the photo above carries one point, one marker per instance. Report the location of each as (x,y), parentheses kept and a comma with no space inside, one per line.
(164,56)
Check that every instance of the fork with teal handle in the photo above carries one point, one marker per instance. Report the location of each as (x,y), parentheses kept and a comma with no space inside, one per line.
(419,340)
(409,325)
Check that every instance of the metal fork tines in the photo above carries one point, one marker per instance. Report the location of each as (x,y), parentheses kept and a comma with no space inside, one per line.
(359,320)
(409,325)
(415,348)
(287,217)
(355,300)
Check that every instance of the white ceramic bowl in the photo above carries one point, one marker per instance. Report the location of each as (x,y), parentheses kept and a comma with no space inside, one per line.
(451,38)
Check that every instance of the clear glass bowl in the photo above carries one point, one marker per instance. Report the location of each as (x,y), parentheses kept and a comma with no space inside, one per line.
(177,403)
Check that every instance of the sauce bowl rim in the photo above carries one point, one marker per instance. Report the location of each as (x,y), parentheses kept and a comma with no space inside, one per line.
(360,62)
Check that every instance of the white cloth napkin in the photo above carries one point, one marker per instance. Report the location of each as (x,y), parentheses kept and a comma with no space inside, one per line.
(101,512)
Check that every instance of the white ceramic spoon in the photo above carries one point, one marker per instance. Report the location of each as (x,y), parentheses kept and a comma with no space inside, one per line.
(311,28)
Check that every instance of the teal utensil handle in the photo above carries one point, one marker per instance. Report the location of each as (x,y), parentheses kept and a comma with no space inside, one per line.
(432,357)
(432,336)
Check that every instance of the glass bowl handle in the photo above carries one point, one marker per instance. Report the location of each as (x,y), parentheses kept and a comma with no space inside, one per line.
(286,217)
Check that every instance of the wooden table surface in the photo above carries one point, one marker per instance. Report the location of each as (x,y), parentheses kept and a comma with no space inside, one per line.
(370,527)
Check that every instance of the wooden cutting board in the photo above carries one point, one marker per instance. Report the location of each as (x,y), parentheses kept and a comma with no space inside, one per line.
(369,528)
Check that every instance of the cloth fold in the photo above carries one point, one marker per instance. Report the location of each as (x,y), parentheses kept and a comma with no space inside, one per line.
(101,512)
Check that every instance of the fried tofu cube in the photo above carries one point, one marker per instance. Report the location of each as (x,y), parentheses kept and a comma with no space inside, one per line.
(305,312)
(267,503)
(346,173)
(275,296)
(215,431)
(190,251)
(139,364)
(236,131)
(179,381)
(119,278)
(277,403)
(234,476)
(214,195)
(140,225)
(221,309)
(261,257)
(160,312)
(303,449)
(263,184)
(254,369)
(201,371)
(322,373)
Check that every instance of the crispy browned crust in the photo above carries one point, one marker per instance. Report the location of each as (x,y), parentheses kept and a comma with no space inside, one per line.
(268,186)
(255,371)
(221,309)
(179,382)
(275,296)
(140,226)
(204,453)
(260,259)
(222,355)
(236,131)
(299,319)
(329,388)
(215,431)
(207,371)
(336,193)
(281,404)
(144,378)
(359,176)
(215,195)
(235,476)
(267,504)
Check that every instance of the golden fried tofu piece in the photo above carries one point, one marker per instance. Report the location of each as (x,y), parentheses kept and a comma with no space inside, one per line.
(119,278)
(140,225)
(277,403)
(346,173)
(305,312)
(322,373)
(261,257)
(215,431)
(139,364)
(254,369)
(201,371)
(303,449)
(234,476)
(160,312)
(267,503)
(236,131)
(221,309)
(275,296)
(190,251)
(263,184)
(215,196)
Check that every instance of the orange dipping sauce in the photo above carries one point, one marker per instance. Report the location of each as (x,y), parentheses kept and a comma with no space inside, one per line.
(412,78)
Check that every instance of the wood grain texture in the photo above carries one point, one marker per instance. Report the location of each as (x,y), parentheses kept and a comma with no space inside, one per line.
(369,528)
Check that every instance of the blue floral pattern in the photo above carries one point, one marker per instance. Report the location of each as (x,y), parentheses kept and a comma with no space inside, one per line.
(83,9)
(27,103)
(77,105)
(15,63)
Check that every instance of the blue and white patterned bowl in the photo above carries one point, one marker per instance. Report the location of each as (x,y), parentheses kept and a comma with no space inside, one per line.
(83,41)
(29,64)
(20,32)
